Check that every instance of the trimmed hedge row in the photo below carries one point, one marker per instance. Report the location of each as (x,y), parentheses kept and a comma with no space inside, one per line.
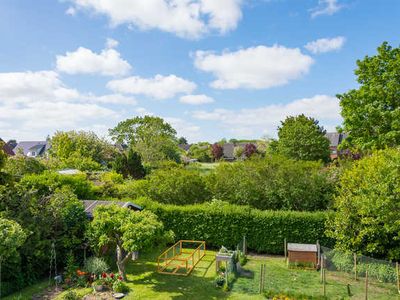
(220,224)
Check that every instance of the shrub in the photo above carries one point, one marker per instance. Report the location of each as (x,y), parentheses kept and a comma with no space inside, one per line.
(173,186)
(273,183)
(48,182)
(96,265)
(20,165)
(71,295)
(368,205)
(224,224)
(120,287)
(383,272)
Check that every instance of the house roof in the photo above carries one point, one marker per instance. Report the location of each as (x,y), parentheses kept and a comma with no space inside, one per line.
(335,138)
(302,247)
(7,149)
(90,205)
(228,150)
(185,147)
(27,146)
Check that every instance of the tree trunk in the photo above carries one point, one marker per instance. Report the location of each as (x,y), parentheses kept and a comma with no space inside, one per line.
(121,261)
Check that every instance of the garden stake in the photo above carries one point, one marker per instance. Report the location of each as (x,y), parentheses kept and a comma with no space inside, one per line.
(366,285)
(284,249)
(398,277)
(355,266)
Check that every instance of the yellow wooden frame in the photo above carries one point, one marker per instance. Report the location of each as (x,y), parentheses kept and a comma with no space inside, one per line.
(163,261)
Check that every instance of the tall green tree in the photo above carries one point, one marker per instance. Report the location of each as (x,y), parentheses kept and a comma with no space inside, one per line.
(153,138)
(367,218)
(129,164)
(302,138)
(371,113)
(125,229)
(201,151)
(83,150)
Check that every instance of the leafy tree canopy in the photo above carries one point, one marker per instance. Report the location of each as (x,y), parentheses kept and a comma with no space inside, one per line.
(12,236)
(129,231)
(20,165)
(82,150)
(153,138)
(368,204)
(201,151)
(129,165)
(302,138)
(371,113)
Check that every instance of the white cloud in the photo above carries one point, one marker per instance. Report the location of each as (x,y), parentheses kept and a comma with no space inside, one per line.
(326,7)
(34,104)
(159,87)
(325,45)
(111,43)
(254,68)
(70,11)
(184,128)
(190,19)
(85,61)
(265,120)
(196,99)
(19,87)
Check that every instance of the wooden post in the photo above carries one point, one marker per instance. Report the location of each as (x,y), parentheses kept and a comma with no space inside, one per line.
(261,277)
(355,266)
(398,277)
(322,275)
(324,282)
(366,285)
(319,254)
(285,249)
(244,245)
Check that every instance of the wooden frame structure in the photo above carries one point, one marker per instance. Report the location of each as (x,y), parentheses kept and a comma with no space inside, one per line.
(303,253)
(180,259)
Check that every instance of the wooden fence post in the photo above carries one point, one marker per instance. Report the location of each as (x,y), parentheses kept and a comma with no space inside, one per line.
(355,266)
(322,275)
(285,249)
(366,285)
(244,245)
(319,254)
(398,277)
(261,270)
(324,282)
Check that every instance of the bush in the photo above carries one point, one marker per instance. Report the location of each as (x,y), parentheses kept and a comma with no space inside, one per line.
(71,295)
(224,224)
(20,165)
(382,272)
(48,182)
(273,183)
(96,266)
(120,287)
(368,204)
(172,186)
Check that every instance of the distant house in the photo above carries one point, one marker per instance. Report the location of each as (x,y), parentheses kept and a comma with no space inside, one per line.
(90,205)
(335,139)
(229,150)
(184,147)
(6,148)
(32,148)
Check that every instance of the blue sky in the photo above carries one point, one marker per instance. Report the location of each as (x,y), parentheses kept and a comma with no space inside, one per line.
(213,69)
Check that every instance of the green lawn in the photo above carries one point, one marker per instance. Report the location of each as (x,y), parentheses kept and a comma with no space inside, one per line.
(146,283)
(203,168)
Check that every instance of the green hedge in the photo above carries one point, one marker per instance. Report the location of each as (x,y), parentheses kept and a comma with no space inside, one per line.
(220,224)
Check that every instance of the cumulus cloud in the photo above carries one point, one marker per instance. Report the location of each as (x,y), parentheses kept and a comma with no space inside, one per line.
(196,99)
(34,104)
(265,120)
(189,19)
(158,87)
(326,7)
(185,128)
(111,43)
(85,61)
(254,68)
(325,45)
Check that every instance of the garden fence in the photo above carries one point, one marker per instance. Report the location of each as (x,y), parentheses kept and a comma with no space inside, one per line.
(340,276)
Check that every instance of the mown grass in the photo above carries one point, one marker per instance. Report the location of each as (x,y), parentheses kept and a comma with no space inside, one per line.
(203,168)
(146,283)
